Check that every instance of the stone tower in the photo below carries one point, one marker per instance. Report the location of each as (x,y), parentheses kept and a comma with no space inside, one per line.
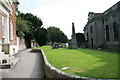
(73,43)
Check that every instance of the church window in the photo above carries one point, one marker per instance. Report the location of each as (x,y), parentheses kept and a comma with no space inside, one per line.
(91,29)
(107,31)
(115,27)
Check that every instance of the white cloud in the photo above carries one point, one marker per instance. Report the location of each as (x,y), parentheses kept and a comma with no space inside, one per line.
(61,13)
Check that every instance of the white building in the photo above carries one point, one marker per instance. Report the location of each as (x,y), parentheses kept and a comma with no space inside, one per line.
(8,38)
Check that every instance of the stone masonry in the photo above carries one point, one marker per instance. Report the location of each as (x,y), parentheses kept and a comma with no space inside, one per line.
(73,42)
(103,29)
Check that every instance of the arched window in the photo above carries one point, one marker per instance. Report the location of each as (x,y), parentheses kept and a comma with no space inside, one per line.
(107,32)
(92,43)
(91,29)
(87,37)
(115,27)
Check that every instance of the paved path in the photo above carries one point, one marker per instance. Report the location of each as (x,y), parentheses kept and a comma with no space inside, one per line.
(29,66)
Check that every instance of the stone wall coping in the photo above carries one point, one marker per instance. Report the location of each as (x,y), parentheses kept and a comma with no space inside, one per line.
(58,71)
(63,74)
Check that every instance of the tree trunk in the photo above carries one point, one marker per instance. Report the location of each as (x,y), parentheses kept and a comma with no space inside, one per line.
(27,40)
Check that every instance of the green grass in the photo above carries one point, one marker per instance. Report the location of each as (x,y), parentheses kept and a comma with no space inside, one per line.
(84,62)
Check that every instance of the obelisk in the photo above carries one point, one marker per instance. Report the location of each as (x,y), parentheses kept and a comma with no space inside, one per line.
(73,42)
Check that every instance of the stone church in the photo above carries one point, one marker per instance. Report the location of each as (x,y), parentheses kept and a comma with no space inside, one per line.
(103,29)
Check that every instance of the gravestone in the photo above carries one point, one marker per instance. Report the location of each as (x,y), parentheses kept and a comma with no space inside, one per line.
(55,46)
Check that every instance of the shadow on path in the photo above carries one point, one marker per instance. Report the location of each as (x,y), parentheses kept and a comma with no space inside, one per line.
(29,67)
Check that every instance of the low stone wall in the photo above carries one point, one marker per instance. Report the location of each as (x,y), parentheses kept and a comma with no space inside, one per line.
(52,72)
(21,44)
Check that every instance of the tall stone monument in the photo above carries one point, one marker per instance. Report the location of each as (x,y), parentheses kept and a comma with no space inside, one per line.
(73,42)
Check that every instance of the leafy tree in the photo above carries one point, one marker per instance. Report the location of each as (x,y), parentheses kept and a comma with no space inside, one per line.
(36,22)
(41,36)
(27,25)
(22,26)
(80,39)
(56,35)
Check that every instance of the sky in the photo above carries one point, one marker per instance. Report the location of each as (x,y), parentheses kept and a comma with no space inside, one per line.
(61,13)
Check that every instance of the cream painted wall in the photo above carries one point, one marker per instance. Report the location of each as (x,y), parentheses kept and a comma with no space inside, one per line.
(13,49)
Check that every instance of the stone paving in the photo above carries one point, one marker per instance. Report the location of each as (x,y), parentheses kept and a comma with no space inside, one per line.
(29,66)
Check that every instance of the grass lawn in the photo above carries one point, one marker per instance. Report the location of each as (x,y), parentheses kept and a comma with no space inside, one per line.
(84,62)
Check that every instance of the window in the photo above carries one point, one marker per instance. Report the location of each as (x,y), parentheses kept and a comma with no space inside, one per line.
(115,27)
(11,31)
(3,27)
(91,29)
(87,37)
(107,32)
(11,2)
(92,44)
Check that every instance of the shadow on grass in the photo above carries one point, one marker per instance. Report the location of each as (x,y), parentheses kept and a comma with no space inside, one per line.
(111,50)
(110,69)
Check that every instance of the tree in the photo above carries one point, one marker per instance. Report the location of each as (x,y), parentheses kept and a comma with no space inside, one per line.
(36,22)
(80,39)
(22,26)
(27,25)
(56,35)
(41,36)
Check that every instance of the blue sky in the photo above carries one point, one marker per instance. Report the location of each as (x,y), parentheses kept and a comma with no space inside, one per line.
(61,13)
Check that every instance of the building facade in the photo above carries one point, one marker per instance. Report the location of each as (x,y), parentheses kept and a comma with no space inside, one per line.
(8,38)
(103,29)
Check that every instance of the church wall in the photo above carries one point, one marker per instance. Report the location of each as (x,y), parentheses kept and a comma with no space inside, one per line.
(109,19)
(99,21)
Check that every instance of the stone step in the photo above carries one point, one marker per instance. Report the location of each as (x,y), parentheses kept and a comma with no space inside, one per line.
(6,55)
(2,52)
(12,61)
(2,55)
